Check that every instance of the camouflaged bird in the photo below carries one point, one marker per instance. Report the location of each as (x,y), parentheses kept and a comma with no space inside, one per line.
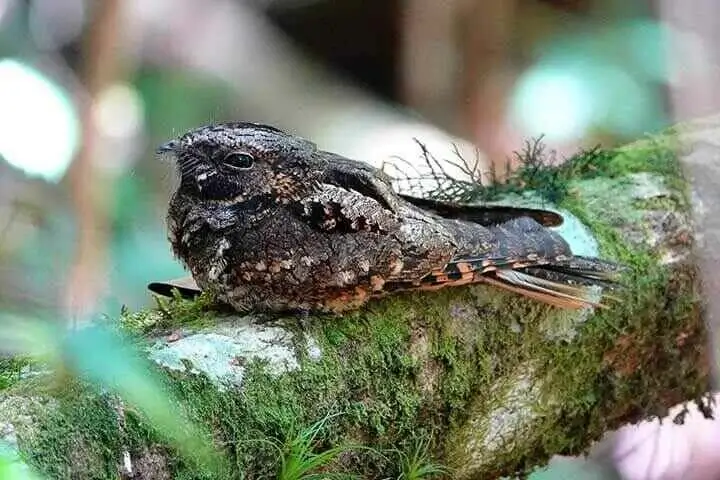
(268,222)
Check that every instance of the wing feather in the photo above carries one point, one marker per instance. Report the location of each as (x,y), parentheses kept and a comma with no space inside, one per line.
(485,215)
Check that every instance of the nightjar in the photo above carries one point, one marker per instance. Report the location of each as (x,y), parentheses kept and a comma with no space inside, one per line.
(266,221)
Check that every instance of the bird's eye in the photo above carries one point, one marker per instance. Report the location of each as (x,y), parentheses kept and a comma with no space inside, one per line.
(238,160)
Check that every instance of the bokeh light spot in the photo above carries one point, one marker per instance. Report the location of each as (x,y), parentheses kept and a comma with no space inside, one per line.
(552,101)
(39,122)
(119,111)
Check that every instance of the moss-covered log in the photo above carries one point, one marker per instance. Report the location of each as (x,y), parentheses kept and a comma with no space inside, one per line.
(481,381)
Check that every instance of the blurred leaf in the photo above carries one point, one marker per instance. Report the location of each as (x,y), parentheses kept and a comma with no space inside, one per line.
(182,99)
(12,468)
(20,336)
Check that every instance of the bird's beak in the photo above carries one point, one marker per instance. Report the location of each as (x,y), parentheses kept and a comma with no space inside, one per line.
(170,146)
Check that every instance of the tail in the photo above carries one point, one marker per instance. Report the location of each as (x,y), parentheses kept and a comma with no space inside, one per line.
(535,262)
(562,282)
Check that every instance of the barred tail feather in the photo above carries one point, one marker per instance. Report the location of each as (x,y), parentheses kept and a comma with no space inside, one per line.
(565,283)
(551,297)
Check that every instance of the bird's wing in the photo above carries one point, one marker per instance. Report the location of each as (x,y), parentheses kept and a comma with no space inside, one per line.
(372,182)
(484,214)
(525,258)
(335,209)
(360,177)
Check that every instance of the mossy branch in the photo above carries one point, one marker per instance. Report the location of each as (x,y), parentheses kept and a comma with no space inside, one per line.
(485,382)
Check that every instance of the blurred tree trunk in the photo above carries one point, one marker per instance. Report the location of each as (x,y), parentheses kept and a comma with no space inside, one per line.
(429,62)
(486,46)
(90,190)
(456,67)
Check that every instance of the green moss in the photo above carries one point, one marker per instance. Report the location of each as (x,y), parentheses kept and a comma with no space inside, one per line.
(172,313)
(79,439)
(10,370)
(664,204)
(656,153)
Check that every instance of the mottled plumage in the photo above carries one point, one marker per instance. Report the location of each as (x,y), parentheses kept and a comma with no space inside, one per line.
(268,222)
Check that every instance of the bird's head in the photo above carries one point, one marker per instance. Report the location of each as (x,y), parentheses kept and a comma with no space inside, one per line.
(243,161)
